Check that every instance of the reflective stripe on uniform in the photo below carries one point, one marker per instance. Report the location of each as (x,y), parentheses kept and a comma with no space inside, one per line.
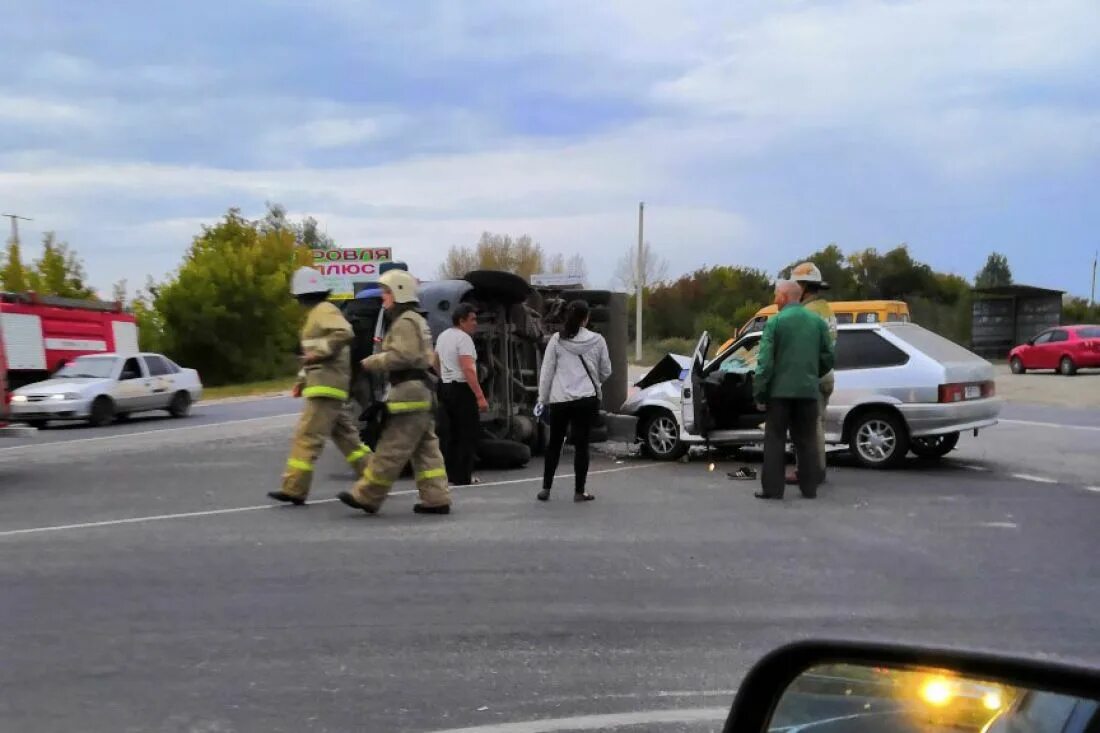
(370,478)
(299,465)
(432,473)
(318,390)
(397,407)
(355,455)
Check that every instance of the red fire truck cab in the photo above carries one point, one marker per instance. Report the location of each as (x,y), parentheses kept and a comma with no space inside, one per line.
(40,334)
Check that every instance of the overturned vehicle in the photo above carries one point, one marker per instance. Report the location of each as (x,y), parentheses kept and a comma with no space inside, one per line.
(515,322)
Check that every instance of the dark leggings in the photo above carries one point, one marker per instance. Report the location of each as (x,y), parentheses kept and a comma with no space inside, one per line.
(576,416)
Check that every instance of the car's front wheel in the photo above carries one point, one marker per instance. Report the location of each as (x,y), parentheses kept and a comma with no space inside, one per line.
(934,446)
(660,434)
(1017,365)
(879,439)
(103,412)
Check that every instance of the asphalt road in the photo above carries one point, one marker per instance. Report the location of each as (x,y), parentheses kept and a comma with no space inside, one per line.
(148,585)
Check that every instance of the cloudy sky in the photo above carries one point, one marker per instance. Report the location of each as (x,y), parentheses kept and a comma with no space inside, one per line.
(754,131)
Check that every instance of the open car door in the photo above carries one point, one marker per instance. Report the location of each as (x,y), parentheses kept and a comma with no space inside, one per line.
(693,405)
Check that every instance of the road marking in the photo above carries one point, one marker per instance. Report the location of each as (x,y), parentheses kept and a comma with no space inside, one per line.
(972,467)
(599,722)
(1036,479)
(259,507)
(1000,525)
(160,431)
(1094,489)
(1034,423)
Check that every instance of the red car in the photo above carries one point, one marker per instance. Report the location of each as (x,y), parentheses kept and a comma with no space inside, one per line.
(1064,349)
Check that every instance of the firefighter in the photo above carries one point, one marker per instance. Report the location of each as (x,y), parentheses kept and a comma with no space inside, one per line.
(808,276)
(408,432)
(323,381)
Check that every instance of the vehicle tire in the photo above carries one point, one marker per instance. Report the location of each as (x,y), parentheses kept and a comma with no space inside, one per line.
(660,434)
(495,453)
(504,286)
(1017,365)
(37,424)
(1066,367)
(180,405)
(122,417)
(934,446)
(599,314)
(879,439)
(103,412)
(594,298)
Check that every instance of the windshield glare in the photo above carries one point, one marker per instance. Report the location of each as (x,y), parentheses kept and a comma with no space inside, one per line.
(97,367)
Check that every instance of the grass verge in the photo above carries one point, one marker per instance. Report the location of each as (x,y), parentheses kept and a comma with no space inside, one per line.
(248,389)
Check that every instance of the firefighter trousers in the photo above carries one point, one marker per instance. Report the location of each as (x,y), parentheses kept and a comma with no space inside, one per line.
(405,437)
(322,418)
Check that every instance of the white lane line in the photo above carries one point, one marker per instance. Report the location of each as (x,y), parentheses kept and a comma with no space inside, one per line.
(1094,489)
(258,507)
(972,467)
(1000,525)
(161,431)
(599,722)
(1034,423)
(1036,479)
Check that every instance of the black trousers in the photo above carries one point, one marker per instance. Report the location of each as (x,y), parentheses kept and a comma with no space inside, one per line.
(575,416)
(800,418)
(463,426)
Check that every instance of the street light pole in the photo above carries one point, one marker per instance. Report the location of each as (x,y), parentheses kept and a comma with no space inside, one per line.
(639,286)
(1092,293)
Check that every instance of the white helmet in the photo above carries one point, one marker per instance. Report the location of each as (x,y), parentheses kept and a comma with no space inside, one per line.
(807,272)
(401,284)
(306,280)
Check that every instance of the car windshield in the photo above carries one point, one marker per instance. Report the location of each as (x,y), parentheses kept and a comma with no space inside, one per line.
(90,367)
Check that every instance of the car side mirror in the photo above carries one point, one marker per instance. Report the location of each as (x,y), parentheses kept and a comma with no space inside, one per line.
(823,687)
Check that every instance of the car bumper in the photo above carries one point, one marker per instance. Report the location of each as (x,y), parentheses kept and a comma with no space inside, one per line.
(939,419)
(50,410)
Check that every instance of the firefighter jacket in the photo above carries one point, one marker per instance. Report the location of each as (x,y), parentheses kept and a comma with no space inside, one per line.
(327,334)
(406,357)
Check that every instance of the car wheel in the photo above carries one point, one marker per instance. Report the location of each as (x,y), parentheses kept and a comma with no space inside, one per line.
(504,286)
(934,446)
(1066,367)
(103,412)
(502,454)
(660,435)
(879,439)
(37,424)
(180,405)
(1017,365)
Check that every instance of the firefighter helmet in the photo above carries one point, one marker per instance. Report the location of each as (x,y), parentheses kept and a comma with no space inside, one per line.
(807,272)
(401,284)
(306,280)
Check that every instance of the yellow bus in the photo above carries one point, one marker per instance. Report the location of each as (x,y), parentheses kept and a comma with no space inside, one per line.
(848,311)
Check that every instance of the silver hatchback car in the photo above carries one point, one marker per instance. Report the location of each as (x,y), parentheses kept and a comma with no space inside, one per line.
(899,388)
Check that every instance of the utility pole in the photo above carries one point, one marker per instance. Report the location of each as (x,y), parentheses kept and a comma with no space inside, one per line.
(15,219)
(639,286)
(1092,293)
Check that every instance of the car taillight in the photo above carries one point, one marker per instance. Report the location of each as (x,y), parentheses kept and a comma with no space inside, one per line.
(965,391)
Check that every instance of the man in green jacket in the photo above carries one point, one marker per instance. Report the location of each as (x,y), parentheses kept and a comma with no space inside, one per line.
(796,350)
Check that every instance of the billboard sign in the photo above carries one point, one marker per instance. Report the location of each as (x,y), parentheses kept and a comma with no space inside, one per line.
(342,268)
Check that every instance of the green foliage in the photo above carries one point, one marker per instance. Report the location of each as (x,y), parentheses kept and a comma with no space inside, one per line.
(1076,311)
(58,271)
(995,272)
(227,311)
(13,275)
(719,293)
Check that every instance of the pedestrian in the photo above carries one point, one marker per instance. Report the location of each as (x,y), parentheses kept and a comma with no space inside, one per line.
(808,276)
(460,393)
(574,366)
(408,430)
(795,352)
(323,381)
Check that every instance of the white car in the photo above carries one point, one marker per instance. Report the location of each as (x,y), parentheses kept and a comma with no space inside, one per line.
(899,388)
(102,387)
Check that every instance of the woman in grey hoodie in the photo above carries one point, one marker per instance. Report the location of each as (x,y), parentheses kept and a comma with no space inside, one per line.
(574,366)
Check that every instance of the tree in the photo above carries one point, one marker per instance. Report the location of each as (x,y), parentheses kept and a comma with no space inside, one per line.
(59,271)
(995,273)
(307,232)
(13,276)
(834,270)
(522,256)
(654,269)
(574,266)
(227,311)
(119,293)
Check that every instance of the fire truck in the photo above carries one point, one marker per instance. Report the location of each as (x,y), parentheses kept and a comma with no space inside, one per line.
(39,334)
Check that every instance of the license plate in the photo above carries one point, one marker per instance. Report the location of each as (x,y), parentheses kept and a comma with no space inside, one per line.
(972,392)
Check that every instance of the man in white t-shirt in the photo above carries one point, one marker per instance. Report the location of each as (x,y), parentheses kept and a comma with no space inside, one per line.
(460,394)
